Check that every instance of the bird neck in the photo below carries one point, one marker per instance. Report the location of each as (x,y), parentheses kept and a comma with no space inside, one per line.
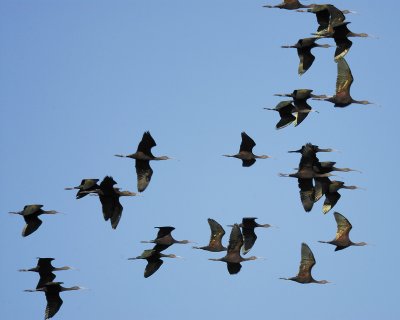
(62,268)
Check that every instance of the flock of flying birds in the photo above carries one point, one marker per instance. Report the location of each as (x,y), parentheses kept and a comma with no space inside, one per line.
(313,176)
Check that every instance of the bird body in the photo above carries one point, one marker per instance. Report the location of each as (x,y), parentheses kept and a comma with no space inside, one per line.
(109,198)
(328,16)
(154,261)
(233,257)
(330,190)
(45,270)
(342,97)
(342,239)
(289,5)
(307,262)
(52,291)
(304,47)
(246,151)
(217,233)
(164,239)
(143,156)
(249,236)
(31,215)
(86,185)
(285,110)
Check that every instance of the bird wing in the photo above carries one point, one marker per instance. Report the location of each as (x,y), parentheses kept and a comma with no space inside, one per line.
(321,187)
(117,213)
(323,16)
(247,143)
(107,206)
(331,198)
(343,46)
(249,239)
(152,266)
(301,105)
(344,77)
(307,193)
(248,163)
(45,263)
(146,144)
(144,173)
(233,268)
(163,231)
(307,261)
(217,232)
(286,116)
(32,224)
(235,240)
(343,226)
(336,16)
(54,303)
(306,59)
(45,277)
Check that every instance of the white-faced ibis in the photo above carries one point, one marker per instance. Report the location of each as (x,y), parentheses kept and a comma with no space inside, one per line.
(249,236)
(342,239)
(289,5)
(143,156)
(164,239)
(307,262)
(52,291)
(328,16)
(45,270)
(86,185)
(31,215)
(109,198)
(217,233)
(246,151)
(233,257)
(304,47)
(285,110)
(341,34)
(154,261)
(344,79)
(330,190)
(300,97)
(300,94)
(306,173)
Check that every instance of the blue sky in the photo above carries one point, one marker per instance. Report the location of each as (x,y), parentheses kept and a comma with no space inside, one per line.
(82,80)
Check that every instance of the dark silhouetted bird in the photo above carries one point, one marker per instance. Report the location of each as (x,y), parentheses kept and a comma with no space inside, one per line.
(154,261)
(344,79)
(328,16)
(342,240)
(246,152)
(86,185)
(31,215)
(45,270)
(307,262)
(217,233)
(164,239)
(289,5)
(233,257)
(109,198)
(285,110)
(330,190)
(306,173)
(300,97)
(304,47)
(249,236)
(143,156)
(52,291)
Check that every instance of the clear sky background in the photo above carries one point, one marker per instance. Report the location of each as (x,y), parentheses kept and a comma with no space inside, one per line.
(82,80)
